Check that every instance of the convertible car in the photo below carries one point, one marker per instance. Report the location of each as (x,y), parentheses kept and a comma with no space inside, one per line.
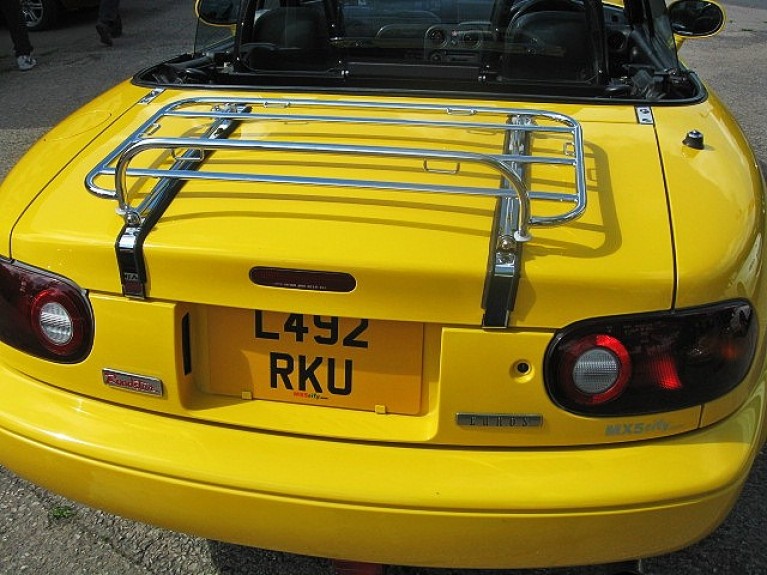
(452,283)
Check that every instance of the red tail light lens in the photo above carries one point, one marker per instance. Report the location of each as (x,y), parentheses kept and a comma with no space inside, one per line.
(652,362)
(44,315)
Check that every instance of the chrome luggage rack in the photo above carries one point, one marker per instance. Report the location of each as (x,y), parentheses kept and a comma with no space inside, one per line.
(212,121)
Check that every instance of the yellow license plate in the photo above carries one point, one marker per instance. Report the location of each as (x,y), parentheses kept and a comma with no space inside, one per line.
(329,361)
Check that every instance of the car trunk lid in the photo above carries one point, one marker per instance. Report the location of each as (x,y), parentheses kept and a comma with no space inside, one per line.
(282,283)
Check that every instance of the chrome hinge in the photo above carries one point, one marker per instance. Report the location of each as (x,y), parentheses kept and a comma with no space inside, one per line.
(151,96)
(644,115)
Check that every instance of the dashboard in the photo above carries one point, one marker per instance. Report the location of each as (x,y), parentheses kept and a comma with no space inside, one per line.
(461,43)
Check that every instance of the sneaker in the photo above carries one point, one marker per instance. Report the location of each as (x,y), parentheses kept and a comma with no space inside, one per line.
(26,62)
(105,33)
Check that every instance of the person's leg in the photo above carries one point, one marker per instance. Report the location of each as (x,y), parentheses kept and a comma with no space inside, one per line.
(117,27)
(109,11)
(14,19)
(109,23)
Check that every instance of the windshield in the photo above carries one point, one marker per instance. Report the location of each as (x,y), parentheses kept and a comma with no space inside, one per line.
(210,36)
(550,47)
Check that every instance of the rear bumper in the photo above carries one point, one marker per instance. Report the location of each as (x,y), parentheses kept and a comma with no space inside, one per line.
(487,508)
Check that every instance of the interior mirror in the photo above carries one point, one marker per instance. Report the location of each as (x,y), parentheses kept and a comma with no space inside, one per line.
(695,18)
(218,12)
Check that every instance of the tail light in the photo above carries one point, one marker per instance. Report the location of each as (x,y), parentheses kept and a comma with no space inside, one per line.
(651,362)
(43,314)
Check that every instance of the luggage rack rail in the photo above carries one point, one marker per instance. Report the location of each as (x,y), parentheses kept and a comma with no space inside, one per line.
(221,117)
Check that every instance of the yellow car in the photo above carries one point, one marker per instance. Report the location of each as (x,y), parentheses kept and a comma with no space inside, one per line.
(452,283)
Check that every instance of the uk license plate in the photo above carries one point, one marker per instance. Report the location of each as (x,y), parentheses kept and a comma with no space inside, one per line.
(322,360)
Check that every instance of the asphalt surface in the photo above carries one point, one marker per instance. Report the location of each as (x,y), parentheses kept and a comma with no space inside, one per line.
(42,533)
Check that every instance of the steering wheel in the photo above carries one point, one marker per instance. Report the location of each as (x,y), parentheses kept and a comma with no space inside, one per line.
(526,6)
(521,39)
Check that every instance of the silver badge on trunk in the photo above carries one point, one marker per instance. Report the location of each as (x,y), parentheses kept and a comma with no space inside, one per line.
(499,419)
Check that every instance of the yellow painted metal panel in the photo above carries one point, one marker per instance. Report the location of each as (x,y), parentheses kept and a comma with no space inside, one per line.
(682,487)
(58,148)
(716,199)
(621,245)
(415,258)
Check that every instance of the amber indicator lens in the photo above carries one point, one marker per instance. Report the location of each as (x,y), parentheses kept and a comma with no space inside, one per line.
(309,280)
